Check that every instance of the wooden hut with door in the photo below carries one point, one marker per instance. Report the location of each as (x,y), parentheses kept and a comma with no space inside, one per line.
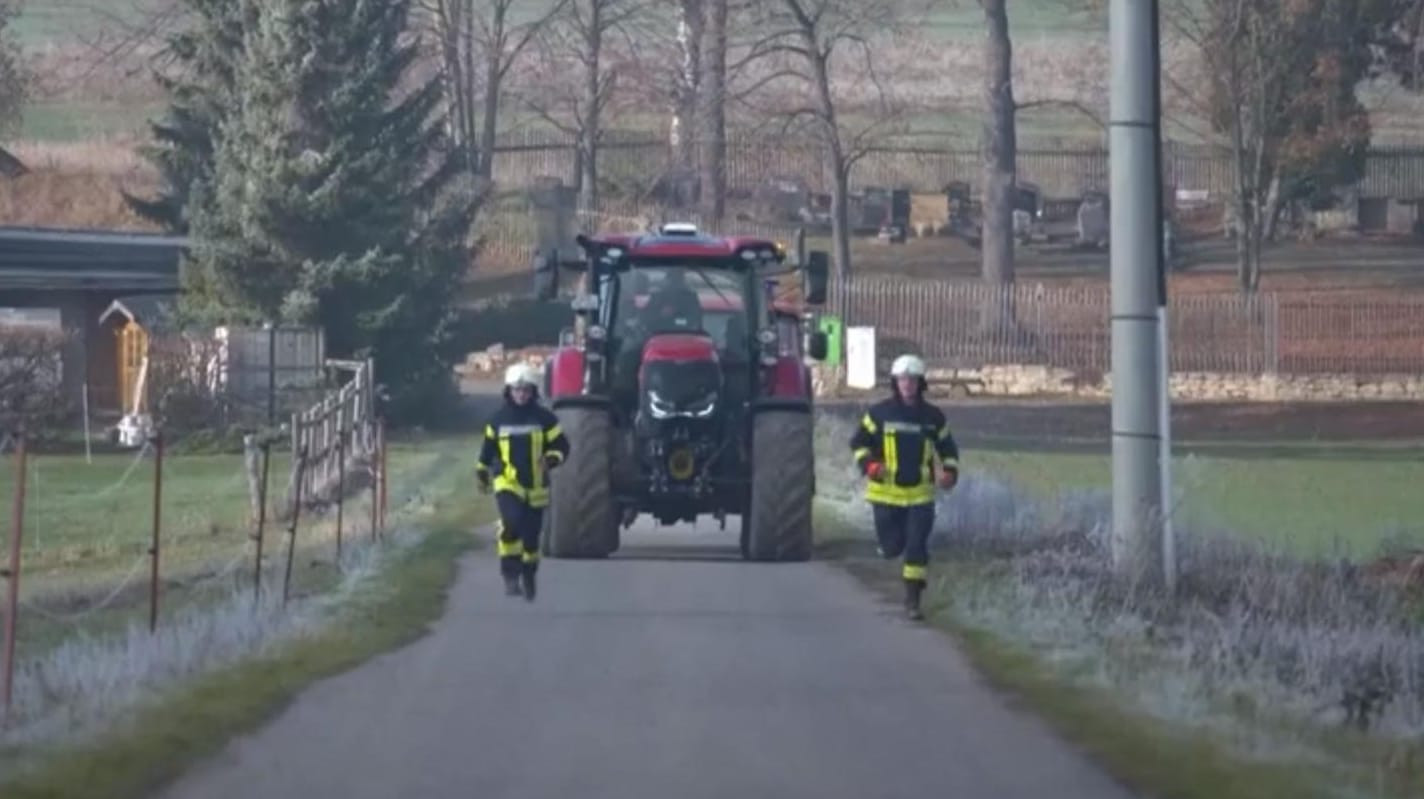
(131,324)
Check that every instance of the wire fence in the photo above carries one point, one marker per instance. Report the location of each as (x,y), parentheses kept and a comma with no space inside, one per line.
(970,325)
(100,541)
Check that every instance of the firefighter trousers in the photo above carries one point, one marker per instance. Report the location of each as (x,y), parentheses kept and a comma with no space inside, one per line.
(905,530)
(519,527)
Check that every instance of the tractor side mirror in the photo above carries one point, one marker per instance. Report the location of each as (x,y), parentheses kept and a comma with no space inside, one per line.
(818,345)
(546,276)
(816,277)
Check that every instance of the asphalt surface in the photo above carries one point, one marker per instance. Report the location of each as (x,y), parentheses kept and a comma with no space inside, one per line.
(671,670)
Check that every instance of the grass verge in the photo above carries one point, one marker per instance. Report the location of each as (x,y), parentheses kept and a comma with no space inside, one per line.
(160,741)
(1149,754)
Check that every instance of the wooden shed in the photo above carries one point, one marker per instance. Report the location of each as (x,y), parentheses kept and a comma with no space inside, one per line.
(130,323)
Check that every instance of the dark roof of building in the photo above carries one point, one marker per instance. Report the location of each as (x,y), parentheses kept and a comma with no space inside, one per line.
(61,258)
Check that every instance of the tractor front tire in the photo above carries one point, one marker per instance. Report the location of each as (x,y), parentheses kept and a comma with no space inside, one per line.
(581,521)
(777,525)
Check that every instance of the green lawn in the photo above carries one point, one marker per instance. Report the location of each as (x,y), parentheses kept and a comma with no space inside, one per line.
(92,521)
(1310,499)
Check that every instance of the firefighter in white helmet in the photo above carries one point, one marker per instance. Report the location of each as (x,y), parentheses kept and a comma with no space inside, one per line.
(895,446)
(522,442)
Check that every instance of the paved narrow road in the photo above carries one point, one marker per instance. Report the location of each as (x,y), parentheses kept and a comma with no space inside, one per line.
(645,677)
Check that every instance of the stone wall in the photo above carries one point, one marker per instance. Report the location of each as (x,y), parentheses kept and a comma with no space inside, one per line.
(1024,380)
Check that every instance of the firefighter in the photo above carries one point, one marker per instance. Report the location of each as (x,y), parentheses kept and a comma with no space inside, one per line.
(522,442)
(894,447)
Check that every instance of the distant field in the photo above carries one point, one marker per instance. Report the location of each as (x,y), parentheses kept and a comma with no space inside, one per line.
(71,121)
(62,26)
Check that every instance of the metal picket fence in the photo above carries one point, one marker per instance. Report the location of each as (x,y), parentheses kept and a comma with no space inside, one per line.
(967,324)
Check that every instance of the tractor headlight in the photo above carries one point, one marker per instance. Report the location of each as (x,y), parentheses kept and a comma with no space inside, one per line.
(767,336)
(597,333)
(661,408)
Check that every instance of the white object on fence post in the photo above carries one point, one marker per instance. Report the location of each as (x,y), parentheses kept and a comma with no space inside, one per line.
(860,357)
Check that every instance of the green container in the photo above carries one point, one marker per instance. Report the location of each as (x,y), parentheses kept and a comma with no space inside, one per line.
(835,338)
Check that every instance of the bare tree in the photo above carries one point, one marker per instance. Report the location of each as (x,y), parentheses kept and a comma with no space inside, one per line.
(690,30)
(128,35)
(817,43)
(1279,89)
(479,43)
(583,37)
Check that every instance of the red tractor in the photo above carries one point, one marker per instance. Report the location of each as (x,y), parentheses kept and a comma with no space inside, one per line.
(684,391)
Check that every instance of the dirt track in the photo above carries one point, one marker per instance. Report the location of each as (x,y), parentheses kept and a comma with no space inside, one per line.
(639,679)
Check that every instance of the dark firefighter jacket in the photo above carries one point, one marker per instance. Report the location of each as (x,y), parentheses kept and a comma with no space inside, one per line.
(516,440)
(905,438)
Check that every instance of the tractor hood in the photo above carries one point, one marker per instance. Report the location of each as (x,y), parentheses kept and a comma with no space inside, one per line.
(680,376)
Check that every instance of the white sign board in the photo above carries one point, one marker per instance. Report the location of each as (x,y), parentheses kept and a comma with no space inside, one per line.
(860,357)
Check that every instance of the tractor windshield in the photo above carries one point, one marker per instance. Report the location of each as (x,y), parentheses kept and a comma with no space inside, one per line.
(679,297)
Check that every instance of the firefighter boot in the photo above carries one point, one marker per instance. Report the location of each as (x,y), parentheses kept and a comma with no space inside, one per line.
(913,590)
(527,578)
(509,570)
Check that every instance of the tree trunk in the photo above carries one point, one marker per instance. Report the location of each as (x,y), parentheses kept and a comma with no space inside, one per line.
(840,214)
(490,123)
(456,20)
(1000,161)
(593,106)
(714,113)
(689,81)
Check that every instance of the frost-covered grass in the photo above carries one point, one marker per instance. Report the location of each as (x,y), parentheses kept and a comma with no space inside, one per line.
(75,686)
(1312,499)
(1273,654)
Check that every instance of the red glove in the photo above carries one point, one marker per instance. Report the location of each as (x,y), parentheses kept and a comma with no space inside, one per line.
(874,470)
(949,477)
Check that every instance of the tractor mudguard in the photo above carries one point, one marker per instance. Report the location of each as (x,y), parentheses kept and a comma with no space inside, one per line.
(565,373)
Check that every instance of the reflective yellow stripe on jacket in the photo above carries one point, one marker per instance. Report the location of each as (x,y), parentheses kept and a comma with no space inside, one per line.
(885,491)
(516,442)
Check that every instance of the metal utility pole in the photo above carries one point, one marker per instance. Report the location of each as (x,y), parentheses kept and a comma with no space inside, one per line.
(1136,237)
(1164,347)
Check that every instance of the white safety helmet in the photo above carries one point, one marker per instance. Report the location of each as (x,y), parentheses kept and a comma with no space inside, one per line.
(521,374)
(908,366)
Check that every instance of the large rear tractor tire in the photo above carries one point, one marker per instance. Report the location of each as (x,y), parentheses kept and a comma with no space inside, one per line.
(777,525)
(581,520)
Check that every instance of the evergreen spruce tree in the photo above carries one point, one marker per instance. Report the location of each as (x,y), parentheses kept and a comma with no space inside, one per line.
(332,200)
(201,90)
